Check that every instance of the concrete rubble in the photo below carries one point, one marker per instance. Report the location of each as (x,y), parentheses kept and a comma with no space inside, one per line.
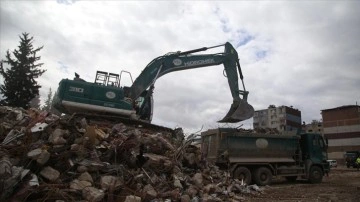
(44,157)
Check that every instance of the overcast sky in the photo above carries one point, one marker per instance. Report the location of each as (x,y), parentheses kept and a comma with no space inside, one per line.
(293,53)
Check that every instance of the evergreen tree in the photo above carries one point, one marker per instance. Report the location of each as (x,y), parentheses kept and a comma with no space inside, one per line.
(19,86)
(48,102)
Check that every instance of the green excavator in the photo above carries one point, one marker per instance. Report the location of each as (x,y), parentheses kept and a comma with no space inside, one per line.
(135,102)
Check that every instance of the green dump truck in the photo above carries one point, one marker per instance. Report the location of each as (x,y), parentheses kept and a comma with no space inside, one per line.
(257,158)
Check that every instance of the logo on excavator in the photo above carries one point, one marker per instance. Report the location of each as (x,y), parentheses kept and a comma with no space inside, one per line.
(199,62)
(177,62)
(110,95)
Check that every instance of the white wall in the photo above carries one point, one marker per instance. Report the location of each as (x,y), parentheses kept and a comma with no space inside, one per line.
(342,129)
(344,142)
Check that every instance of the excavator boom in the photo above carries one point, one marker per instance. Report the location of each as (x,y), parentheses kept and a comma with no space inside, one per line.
(240,110)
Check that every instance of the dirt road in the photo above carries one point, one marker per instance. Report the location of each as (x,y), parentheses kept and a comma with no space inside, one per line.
(342,184)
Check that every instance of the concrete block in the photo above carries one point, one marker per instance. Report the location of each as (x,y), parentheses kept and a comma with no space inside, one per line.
(93,194)
(50,173)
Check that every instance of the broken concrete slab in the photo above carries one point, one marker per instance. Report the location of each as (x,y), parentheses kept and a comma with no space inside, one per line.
(109,181)
(34,181)
(82,169)
(185,198)
(177,184)
(192,191)
(39,127)
(132,198)
(57,137)
(86,177)
(158,161)
(34,154)
(198,180)
(79,184)
(43,157)
(50,173)
(255,188)
(93,194)
(51,118)
(150,192)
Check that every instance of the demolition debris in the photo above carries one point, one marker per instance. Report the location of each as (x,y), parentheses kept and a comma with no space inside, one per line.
(44,157)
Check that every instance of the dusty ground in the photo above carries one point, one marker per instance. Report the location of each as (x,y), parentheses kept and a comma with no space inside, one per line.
(342,184)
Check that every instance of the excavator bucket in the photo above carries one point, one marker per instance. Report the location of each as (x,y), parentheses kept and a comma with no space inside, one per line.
(239,111)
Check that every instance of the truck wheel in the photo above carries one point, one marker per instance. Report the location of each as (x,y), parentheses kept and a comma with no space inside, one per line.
(242,173)
(291,178)
(262,176)
(315,175)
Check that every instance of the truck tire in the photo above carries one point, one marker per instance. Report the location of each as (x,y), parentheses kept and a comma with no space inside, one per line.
(315,175)
(291,178)
(242,173)
(262,176)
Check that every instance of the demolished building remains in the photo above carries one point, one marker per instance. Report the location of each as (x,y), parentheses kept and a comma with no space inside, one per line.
(45,157)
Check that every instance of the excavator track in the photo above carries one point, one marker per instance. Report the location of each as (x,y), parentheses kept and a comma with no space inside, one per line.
(111,119)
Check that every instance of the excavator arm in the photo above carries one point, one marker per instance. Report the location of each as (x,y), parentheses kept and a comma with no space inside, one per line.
(240,110)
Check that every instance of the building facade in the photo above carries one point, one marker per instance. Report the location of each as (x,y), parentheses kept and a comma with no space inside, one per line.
(342,129)
(282,118)
(313,127)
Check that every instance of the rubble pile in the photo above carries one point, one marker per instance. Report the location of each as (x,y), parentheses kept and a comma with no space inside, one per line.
(47,158)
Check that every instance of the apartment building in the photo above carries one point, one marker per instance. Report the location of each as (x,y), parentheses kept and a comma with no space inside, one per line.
(313,127)
(282,118)
(342,129)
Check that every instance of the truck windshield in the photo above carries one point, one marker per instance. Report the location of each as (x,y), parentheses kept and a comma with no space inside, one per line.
(320,142)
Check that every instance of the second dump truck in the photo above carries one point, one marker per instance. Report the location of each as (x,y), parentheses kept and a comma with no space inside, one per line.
(257,158)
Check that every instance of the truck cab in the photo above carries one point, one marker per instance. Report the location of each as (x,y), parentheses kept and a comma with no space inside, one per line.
(314,149)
